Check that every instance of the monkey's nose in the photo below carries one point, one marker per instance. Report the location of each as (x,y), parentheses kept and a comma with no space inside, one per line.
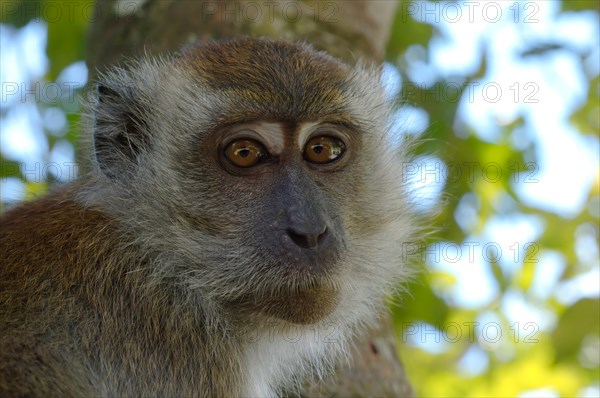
(307,240)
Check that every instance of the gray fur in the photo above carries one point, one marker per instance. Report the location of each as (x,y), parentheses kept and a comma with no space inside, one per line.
(209,241)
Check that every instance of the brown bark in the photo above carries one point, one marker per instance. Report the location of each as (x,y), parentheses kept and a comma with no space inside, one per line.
(347,29)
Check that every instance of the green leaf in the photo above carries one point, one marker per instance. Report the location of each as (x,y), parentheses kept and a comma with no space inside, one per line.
(579,320)
(19,12)
(66,32)
(580,5)
(420,305)
(407,31)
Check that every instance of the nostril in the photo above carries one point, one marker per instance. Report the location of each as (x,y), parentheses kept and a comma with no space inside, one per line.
(298,239)
(321,236)
(306,241)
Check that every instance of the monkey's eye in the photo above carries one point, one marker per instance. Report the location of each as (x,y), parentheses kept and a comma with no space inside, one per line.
(245,153)
(323,149)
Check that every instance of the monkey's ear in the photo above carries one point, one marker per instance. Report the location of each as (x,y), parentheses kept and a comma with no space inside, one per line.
(120,130)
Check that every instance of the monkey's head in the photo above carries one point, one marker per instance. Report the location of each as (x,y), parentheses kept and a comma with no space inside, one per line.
(257,175)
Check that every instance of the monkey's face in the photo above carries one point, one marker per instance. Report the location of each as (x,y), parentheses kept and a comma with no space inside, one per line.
(282,187)
(260,168)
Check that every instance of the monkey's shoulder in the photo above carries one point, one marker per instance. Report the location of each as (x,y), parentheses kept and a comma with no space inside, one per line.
(44,262)
(46,245)
(54,226)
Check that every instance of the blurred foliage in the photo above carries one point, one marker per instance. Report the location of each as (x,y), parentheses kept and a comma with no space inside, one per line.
(67,24)
(526,358)
(67,27)
(562,359)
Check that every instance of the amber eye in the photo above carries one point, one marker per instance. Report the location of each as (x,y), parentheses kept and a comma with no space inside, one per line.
(323,149)
(245,153)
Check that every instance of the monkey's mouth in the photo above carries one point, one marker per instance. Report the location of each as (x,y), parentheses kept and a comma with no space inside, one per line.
(307,306)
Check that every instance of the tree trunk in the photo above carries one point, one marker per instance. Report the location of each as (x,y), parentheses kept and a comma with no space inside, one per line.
(350,30)
(346,29)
